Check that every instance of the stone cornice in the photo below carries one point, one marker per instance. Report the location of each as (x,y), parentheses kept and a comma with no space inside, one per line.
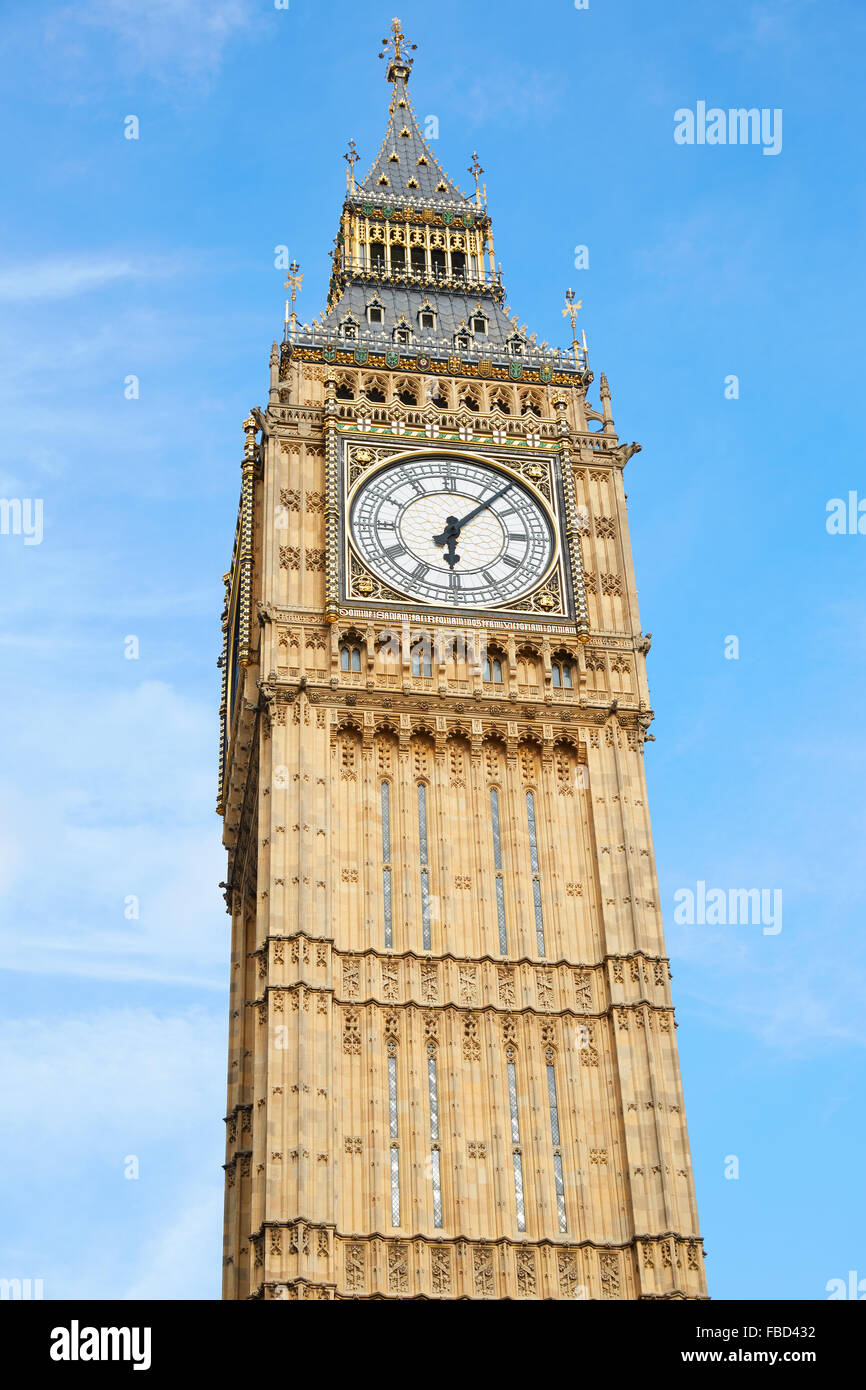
(371,951)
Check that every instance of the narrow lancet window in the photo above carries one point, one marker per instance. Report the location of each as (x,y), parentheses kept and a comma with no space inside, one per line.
(516,1155)
(497,864)
(557,1154)
(425,869)
(435,1169)
(393,1130)
(536,878)
(386,864)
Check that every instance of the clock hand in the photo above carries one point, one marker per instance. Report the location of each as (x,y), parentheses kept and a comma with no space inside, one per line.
(450,553)
(453,527)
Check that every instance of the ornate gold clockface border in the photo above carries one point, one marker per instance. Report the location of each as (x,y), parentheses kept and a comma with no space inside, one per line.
(362,456)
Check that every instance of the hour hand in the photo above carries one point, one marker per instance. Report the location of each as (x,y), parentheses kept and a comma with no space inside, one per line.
(450,534)
(453,526)
(448,538)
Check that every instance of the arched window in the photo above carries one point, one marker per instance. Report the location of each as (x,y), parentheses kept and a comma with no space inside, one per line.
(350,657)
(501,404)
(493,669)
(422,664)
(562,674)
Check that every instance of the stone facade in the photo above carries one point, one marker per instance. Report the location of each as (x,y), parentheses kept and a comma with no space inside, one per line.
(453,1067)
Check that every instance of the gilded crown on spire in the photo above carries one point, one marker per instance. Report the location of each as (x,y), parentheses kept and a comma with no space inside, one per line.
(397,45)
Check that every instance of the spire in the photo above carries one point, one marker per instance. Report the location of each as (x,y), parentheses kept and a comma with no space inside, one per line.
(413,272)
(398,63)
(405,169)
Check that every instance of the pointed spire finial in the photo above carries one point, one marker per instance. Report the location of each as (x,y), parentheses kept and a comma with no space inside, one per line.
(476,171)
(293,282)
(351,157)
(571,311)
(399,63)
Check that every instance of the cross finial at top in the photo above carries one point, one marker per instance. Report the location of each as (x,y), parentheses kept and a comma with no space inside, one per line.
(397,46)
(476,171)
(351,157)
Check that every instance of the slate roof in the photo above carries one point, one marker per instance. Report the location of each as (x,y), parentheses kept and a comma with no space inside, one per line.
(455,306)
(451,309)
(404,138)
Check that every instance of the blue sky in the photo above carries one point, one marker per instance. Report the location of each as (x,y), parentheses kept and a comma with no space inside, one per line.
(155,258)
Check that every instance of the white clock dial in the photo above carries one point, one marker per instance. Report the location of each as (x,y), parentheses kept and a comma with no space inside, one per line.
(447,530)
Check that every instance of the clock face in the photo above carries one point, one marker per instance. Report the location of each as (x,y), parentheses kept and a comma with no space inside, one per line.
(447,530)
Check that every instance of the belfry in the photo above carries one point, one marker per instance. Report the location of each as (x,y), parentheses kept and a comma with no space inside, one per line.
(453,1069)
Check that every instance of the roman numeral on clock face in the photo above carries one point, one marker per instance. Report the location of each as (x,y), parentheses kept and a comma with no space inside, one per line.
(503,549)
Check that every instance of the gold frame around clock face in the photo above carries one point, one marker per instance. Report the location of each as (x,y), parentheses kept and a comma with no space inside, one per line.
(506,539)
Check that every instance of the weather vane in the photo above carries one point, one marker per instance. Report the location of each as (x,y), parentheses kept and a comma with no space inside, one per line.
(293,282)
(571,311)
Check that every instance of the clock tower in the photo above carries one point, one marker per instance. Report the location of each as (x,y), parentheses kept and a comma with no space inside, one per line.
(453,1067)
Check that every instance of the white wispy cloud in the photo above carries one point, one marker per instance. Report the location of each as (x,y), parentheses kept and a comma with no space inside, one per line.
(88,1092)
(171,40)
(775,24)
(123,803)
(110,1074)
(67,276)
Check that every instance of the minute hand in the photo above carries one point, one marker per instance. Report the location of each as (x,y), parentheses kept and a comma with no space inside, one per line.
(454,527)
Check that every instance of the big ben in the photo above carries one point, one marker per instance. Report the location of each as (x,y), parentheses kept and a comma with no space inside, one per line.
(452,1069)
